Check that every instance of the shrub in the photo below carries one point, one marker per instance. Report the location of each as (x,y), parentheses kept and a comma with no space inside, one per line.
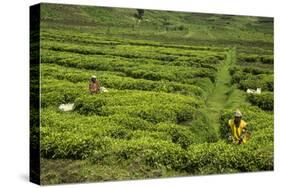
(147,151)
(155,113)
(112,80)
(89,105)
(69,145)
(184,113)
(132,123)
(183,137)
(263,137)
(225,158)
(57,98)
(263,100)
(254,70)
(130,68)
(128,126)
(161,113)
(238,76)
(265,82)
(151,107)
(119,132)
(266,59)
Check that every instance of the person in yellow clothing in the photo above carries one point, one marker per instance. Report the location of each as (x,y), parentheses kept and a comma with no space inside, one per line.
(237,128)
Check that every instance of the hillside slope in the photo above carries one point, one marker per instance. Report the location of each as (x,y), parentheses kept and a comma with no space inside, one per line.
(166,26)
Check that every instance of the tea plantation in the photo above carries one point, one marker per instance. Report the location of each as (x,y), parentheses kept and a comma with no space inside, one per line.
(174,81)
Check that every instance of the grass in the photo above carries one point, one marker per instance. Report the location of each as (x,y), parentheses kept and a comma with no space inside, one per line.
(161,25)
(223,96)
(76,171)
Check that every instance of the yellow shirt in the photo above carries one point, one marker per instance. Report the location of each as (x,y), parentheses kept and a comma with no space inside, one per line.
(237,131)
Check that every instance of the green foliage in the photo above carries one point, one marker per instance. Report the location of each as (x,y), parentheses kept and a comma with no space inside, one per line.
(140,13)
(59,54)
(252,78)
(88,106)
(201,127)
(221,157)
(225,158)
(151,121)
(183,137)
(265,59)
(111,80)
(264,100)
(146,151)
(265,82)
(132,123)
(108,144)
(260,145)
(153,108)
(74,136)
(205,84)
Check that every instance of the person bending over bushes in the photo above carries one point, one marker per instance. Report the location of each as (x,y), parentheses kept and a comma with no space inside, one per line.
(94,86)
(237,128)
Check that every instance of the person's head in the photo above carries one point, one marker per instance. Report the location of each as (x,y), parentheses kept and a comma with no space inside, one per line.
(237,116)
(93,78)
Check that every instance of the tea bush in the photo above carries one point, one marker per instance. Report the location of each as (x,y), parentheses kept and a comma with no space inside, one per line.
(226,158)
(266,59)
(131,51)
(152,107)
(123,83)
(250,81)
(154,153)
(168,72)
(62,137)
(152,115)
(264,100)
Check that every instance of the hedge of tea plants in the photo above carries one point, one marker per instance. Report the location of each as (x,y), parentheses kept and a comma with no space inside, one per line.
(151,115)
(254,71)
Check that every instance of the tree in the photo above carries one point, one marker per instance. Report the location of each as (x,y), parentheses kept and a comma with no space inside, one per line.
(140,13)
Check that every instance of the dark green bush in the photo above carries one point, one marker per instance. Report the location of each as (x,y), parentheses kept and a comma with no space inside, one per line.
(183,137)
(155,114)
(70,145)
(147,151)
(264,100)
(267,59)
(254,70)
(253,58)
(265,82)
(119,132)
(61,96)
(226,158)
(128,126)
(130,68)
(88,105)
(133,123)
(184,113)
